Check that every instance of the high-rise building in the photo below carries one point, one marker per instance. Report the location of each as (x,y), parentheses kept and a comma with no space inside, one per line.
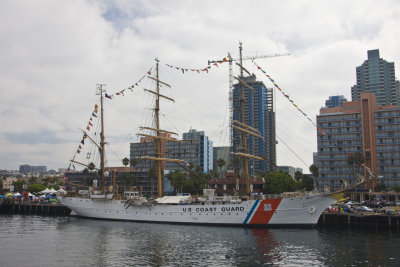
(377,76)
(335,101)
(205,148)
(32,169)
(358,127)
(195,148)
(258,113)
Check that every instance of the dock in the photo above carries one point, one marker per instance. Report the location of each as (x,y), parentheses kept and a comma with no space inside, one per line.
(34,209)
(358,220)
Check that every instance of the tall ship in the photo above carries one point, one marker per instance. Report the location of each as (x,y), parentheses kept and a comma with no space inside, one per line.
(246,210)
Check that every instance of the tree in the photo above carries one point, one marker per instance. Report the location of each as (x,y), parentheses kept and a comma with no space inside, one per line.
(236,165)
(306,183)
(396,188)
(36,188)
(127,179)
(260,174)
(125,162)
(178,180)
(279,182)
(18,185)
(32,180)
(221,163)
(91,166)
(298,175)
(134,162)
(314,171)
(88,180)
(213,173)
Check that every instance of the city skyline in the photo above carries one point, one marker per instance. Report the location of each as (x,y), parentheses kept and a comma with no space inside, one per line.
(53,58)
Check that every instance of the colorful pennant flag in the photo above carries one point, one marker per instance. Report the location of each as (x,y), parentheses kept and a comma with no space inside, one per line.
(199,69)
(287,96)
(121,92)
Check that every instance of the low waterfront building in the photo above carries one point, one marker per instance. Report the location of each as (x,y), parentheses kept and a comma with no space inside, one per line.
(9,181)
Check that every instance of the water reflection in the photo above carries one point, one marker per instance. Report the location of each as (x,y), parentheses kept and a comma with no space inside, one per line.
(267,247)
(83,242)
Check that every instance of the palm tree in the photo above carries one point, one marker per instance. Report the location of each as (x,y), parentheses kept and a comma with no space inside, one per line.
(134,162)
(91,166)
(221,163)
(314,171)
(213,173)
(125,162)
(178,179)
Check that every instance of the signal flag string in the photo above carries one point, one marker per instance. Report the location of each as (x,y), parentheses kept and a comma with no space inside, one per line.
(121,93)
(287,97)
(205,69)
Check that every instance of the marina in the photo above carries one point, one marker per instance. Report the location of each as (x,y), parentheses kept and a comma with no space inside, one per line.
(213,133)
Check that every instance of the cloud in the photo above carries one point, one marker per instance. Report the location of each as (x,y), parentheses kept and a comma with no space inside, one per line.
(53,58)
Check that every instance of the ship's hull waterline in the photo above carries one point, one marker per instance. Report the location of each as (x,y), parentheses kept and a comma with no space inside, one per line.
(297,211)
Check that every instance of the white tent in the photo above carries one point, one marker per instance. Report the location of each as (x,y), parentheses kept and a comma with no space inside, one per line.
(46,191)
(52,191)
(17,195)
(62,191)
(30,195)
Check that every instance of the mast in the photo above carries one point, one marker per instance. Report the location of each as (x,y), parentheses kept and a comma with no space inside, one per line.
(102,142)
(158,140)
(243,134)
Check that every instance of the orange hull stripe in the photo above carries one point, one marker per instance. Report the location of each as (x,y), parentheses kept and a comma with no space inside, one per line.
(265,211)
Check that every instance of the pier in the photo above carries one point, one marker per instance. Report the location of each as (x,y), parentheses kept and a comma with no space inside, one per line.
(34,209)
(370,221)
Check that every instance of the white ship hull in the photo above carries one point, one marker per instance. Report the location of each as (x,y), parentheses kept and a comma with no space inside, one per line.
(296,211)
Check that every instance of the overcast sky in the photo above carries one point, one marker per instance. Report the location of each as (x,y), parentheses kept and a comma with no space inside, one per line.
(53,53)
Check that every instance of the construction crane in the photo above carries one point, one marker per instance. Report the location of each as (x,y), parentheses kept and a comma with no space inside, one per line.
(230,60)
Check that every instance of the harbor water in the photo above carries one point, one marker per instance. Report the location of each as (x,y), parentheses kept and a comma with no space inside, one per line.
(27,240)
